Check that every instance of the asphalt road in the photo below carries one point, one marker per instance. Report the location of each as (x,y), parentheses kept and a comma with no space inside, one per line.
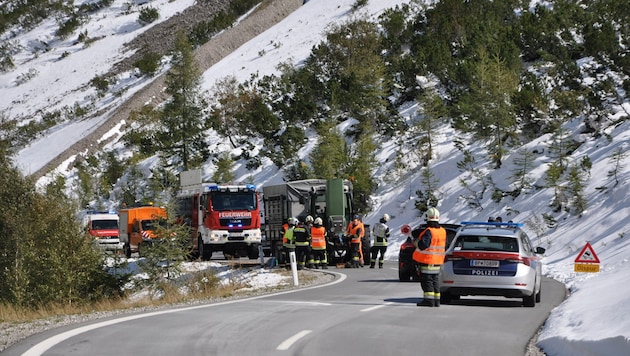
(363,312)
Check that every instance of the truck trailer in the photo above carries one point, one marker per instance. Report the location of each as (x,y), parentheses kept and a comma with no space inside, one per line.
(329,199)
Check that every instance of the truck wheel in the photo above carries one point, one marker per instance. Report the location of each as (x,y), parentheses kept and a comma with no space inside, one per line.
(127,250)
(252,254)
(204,253)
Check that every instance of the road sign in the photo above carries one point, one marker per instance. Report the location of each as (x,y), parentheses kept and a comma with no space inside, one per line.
(586,267)
(587,260)
(587,255)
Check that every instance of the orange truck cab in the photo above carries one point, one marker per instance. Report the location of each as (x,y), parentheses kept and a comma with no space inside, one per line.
(138,225)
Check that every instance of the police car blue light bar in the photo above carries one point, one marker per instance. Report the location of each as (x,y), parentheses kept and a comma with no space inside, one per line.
(486,223)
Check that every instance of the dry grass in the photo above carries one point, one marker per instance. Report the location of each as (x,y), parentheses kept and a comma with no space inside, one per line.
(200,286)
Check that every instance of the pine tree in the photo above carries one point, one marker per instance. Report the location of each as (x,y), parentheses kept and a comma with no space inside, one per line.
(486,108)
(181,134)
(360,170)
(576,182)
(433,111)
(617,160)
(223,173)
(329,158)
(524,162)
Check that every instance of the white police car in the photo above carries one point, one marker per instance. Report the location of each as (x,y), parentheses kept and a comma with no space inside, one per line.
(492,259)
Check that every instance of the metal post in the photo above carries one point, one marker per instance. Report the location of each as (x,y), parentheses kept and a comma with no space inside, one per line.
(294,267)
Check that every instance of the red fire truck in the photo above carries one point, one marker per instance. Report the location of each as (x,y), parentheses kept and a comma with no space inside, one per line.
(221,217)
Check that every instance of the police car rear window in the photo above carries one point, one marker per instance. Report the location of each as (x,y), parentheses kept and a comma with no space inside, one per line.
(487,243)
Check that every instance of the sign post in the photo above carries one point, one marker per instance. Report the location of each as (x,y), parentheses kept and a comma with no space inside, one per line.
(587,260)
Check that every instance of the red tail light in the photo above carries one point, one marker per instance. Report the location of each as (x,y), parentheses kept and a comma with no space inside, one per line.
(524,260)
(452,258)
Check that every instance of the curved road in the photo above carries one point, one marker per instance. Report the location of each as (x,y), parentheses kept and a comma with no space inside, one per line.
(363,312)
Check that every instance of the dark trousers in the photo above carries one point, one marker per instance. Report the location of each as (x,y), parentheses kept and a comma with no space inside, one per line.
(430,283)
(303,253)
(374,251)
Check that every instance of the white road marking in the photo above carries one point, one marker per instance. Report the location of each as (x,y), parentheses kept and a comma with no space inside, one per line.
(286,344)
(43,346)
(375,307)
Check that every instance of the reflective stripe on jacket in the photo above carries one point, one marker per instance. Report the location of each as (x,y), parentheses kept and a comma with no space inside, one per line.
(318,238)
(301,236)
(381,233)
(434,254)
(288,239)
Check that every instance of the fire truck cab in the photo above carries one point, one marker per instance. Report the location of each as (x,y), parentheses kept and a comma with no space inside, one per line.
(103,228)
(221,217)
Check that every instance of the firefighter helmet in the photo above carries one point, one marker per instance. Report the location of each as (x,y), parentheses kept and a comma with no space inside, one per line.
(385,217)
(433,214)
(319,222)
(293,221)
(309,219)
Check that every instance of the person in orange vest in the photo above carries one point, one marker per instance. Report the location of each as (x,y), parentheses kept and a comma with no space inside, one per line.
(356,231)
(430,248)
(318,243)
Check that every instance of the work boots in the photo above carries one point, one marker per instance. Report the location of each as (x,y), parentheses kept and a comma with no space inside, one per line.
(372,264)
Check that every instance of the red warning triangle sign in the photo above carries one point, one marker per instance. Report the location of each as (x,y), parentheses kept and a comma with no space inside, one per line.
(587,255)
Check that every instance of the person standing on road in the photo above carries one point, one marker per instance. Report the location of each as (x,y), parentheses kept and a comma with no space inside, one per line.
(318,244)
(381,234)
(356,232)
(302,237)
(288,241)
(430,248)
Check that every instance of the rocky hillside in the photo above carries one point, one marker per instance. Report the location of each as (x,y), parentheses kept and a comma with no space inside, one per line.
(161,37)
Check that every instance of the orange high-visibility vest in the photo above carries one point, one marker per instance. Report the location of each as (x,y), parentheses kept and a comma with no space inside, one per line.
(434,254)
(318,238)
(356,231)
(285,227)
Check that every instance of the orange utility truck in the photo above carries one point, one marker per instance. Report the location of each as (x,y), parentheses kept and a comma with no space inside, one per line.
(138,225)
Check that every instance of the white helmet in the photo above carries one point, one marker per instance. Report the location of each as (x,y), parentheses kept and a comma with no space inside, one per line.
(385,217)
(433,214)
(309,219)
(293,221)
(318,221)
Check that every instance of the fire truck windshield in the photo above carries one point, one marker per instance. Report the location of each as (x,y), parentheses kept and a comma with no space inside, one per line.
(104,224)
(222,201)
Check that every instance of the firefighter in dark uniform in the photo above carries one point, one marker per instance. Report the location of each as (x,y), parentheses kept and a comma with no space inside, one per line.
(381,234)
(302,237)
(430,248)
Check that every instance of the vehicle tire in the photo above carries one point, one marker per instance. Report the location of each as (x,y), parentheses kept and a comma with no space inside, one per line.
(204,253)
(127,250)
(538,295)
(529,301)
(252,253)
(446,298)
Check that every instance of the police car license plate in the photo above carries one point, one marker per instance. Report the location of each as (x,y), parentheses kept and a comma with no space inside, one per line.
(484,263)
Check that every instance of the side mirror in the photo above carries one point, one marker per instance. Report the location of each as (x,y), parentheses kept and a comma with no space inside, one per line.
(540,250)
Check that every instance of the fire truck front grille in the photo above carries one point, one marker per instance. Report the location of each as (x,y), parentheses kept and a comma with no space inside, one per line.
(236,223)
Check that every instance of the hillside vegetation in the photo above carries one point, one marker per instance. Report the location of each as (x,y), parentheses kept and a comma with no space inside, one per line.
(498,72)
